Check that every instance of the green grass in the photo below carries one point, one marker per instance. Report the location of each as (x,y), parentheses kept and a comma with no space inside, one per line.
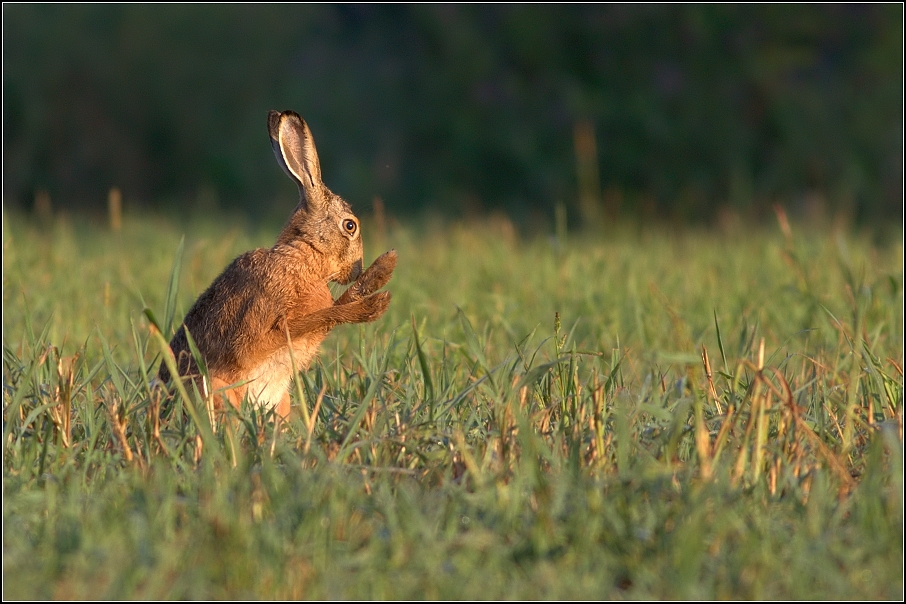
(532,418)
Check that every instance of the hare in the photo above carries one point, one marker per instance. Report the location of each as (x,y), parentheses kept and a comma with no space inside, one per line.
(270,309)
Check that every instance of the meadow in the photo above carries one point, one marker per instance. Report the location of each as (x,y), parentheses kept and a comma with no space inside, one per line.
(629,412)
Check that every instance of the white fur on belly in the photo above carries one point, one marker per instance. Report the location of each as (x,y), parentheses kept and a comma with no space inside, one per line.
(269,381)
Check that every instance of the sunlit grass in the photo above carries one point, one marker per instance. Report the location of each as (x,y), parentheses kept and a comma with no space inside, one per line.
(628,413)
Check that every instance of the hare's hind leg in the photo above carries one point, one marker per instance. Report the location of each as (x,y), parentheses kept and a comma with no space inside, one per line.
(224,393)
(283,407)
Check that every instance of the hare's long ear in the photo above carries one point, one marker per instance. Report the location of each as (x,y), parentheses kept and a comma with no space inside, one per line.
(295,150)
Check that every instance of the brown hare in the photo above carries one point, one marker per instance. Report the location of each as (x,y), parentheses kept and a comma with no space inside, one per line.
(270,300)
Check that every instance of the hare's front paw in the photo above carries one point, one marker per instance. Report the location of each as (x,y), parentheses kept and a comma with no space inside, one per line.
(372,307)
(372,279)
(380,271)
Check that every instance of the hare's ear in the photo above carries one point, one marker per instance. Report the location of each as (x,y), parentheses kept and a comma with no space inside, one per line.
(295,149)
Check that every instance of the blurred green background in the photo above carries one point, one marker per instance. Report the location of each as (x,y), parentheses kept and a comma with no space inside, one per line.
(677,113)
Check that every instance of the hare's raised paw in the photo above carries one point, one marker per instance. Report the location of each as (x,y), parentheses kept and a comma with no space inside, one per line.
(372,279)
(372,307)
(384,264)
(378,274)
(365,310)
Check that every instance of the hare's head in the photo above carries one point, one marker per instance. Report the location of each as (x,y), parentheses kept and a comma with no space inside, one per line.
(322,220)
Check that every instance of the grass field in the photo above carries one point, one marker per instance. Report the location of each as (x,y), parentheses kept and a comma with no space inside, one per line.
(634,413)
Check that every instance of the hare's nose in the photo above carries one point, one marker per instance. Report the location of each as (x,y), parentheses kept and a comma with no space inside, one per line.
(347,274)
(356,270)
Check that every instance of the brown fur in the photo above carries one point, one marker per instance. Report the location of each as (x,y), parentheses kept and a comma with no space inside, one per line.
(269,299)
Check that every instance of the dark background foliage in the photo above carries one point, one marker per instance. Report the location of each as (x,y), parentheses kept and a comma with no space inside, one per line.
(670,111)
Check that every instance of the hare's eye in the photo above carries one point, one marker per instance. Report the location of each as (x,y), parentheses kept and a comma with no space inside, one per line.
(350,226)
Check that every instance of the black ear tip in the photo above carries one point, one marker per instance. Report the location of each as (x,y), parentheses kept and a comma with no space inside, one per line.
(275,117)
(273,123)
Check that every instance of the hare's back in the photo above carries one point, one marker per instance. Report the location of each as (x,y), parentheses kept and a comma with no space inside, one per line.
(249,300)
(237,309)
